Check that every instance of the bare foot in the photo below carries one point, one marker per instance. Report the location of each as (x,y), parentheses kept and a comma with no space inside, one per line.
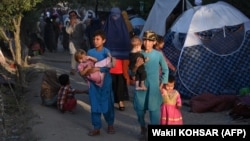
(144,88)
(138,88)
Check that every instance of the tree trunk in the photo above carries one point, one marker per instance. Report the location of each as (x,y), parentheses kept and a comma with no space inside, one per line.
(18,48)
(11,46)
(9,40)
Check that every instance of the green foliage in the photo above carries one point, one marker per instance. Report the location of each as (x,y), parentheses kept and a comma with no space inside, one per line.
(11,9)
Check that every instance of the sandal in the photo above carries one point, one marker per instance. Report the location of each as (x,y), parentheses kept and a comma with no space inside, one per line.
(94,132)
(111,130)
(121,106)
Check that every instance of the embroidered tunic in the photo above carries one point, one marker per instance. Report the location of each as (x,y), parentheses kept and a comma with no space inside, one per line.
(170,113)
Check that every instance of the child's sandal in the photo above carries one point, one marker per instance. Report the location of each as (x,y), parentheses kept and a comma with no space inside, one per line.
(111,130)
(94,132)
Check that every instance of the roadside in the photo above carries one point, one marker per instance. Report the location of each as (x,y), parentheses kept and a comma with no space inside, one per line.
(49,124)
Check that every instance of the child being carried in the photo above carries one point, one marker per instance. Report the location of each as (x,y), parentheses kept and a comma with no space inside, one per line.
(87,62)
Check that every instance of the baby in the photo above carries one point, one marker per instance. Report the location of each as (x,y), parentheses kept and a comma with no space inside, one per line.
(87,62)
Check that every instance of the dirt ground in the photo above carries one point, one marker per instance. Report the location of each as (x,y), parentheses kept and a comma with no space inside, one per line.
(48,124)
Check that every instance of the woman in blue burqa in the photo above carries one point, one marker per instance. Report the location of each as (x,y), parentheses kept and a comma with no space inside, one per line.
(118,42)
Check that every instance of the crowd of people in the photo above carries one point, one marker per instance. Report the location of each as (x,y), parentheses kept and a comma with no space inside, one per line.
(115,59)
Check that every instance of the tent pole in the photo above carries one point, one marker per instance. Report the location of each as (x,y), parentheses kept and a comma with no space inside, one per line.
(183,6)
(96,9)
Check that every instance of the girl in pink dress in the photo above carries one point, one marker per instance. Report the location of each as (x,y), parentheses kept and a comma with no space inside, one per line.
(88,62)
(170,108)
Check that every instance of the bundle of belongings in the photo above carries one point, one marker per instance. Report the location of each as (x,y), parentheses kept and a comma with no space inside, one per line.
(49,88)
(238,105)
(212,103)
(242,106)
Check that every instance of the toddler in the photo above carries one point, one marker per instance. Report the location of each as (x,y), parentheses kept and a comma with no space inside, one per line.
(87,62)
(170,108)
(135,52)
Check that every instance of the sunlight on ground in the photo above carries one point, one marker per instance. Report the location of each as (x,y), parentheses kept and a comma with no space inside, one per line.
(84,105)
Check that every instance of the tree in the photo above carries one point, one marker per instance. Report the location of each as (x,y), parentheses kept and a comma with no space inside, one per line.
(11,14)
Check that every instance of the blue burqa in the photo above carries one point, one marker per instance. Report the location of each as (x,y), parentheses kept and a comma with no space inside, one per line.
(118,40)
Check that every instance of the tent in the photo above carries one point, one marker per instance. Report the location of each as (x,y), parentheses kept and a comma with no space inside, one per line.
(160,11)
(209,45)
(137,23)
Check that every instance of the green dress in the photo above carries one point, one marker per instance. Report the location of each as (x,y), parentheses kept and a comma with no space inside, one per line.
(151,99)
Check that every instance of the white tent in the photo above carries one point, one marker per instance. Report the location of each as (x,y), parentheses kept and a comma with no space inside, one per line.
(212,55)
(212,16)
(181,25)
(156,20)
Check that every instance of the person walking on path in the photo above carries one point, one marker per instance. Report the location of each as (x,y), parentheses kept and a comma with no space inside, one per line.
(131,34)
(65,35)
(49,35)
(101,98)
(118,42)
(170,108)
(75,29)
(151,99)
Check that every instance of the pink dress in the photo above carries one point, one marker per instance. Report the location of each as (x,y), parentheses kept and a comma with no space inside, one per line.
(97,76)
(170,114)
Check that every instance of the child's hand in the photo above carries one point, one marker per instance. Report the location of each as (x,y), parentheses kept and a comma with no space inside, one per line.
(161,86)
(91,58)
(88,67)
(178,106)
(87,57)
(139,62)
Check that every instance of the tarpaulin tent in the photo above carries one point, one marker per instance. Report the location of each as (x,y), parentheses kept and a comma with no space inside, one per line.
(210,48)
(137,23)
(160,11)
